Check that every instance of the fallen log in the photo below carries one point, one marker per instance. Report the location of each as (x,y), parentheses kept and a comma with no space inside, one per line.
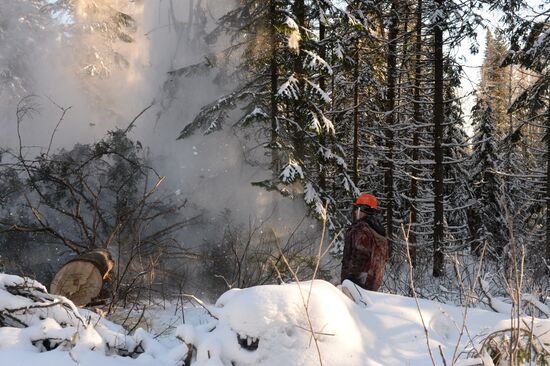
(82,278)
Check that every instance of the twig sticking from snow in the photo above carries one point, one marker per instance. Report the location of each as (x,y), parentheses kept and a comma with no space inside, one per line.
(35,306)
(3,321)
(411,280)
(469,296)
(42,300)
(304,301)
(442,355)
(496,305)
(499,345)
(317,262)
(201,303)
(515,288)
(318,333)
(58,323)
(321,254)
(138,321)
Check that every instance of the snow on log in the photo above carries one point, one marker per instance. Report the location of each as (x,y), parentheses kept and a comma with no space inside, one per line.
(33,320)
(82,278)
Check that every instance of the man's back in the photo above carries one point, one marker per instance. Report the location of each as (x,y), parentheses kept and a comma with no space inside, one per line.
(365,254)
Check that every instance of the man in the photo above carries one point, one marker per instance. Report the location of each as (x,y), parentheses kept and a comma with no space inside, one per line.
(366,247)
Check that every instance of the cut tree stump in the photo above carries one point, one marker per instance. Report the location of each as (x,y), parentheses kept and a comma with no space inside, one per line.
(82,278)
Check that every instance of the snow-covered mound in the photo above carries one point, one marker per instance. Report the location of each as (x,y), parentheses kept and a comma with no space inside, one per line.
(37,328)
(279,325)
(308,323)
(314,323)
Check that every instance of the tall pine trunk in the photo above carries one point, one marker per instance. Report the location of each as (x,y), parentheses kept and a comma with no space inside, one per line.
(510,115)
(438,121)
(322,86)
(417,117)
(299,11)
(355,162)
(390,116)
(275,164)
(548,180)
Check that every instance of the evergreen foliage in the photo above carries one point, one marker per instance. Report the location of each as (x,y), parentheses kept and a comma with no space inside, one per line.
(339,98)
(489,223)
(325,146)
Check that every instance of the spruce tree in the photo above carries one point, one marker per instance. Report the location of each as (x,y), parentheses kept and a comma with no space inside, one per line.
(530,49)
(488,222)
(494,80)
(286,86)
(458,193)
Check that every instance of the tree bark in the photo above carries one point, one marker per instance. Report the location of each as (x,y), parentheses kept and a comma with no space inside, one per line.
(548,180)
(299,11)
(438,121)
(82,278)
(417,120)
(355,161)
(275,164)
(322,85)
(390,116)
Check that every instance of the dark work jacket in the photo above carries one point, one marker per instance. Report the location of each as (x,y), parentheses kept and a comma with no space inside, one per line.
(365,254)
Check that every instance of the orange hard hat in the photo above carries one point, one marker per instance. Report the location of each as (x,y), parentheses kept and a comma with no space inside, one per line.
(366,199)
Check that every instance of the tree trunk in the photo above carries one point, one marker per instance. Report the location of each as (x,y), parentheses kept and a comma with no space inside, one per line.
(299,11)
(548,181)
(355,162)
(190,20)
(275,164)
(438,121)
(510,115)
(390,116)
(417,120)
(322,85)
(82,278)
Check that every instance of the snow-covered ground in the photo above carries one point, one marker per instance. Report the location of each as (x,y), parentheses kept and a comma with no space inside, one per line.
(310,323)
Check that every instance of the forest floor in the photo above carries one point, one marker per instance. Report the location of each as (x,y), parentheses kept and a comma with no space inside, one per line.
(308,323)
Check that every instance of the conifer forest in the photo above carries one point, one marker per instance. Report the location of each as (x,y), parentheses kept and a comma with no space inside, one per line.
(212,144)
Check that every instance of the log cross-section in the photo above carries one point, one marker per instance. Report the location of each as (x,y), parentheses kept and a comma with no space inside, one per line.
(82,278)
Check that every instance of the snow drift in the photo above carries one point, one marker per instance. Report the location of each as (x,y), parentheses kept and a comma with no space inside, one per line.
(314,323)
(308,323)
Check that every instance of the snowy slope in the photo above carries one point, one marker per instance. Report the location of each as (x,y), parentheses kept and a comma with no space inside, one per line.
(268,326)
(387,331)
